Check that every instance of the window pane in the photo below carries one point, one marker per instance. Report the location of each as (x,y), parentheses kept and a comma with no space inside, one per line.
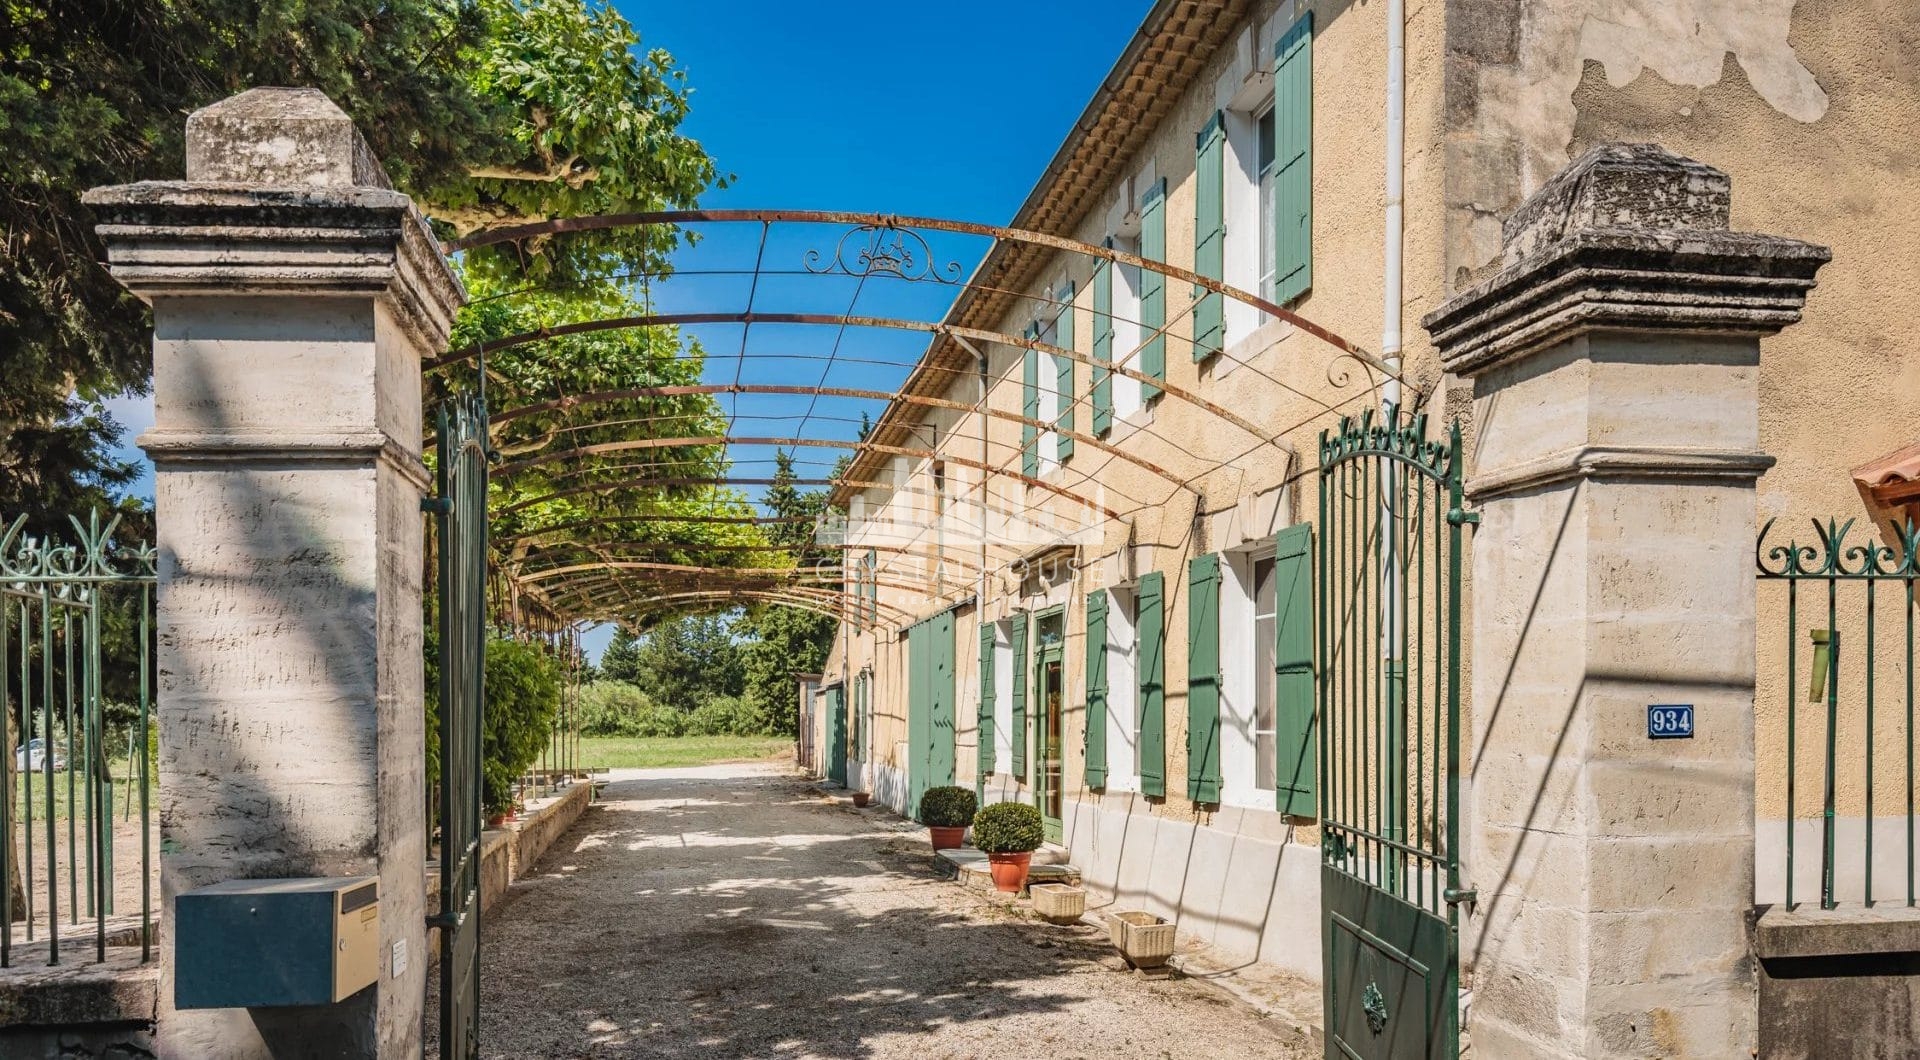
(1265,156)
(1263,678)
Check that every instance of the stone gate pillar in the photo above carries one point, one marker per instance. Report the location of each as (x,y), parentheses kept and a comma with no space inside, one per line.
(293,293)
(1614,362)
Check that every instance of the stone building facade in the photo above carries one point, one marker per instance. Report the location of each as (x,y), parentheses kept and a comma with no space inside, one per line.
(1140,503)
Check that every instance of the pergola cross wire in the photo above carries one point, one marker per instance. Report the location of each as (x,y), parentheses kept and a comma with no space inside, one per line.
(563,547)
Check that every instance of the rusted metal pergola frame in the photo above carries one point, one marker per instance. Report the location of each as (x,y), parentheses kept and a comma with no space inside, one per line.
(872,225)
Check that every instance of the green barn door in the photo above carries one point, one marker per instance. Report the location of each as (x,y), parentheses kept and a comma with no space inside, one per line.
(919,711)
(837,735)
(929,706)
(940,706)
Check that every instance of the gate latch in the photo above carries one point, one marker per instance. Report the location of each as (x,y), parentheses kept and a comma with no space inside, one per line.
(1456,897)
(436,505)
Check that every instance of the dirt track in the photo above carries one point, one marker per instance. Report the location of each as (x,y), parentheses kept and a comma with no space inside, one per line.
(731,911)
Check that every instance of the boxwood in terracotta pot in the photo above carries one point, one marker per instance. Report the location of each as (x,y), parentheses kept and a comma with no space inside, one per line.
(1009,833)
(946,811)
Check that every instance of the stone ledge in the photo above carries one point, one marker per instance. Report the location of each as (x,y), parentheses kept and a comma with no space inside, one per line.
(78,995)
(1843,932)
(969,867)
(1601,462)
(186,238)
(174,448)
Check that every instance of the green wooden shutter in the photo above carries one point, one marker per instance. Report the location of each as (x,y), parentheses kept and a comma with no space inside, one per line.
(1203,678)
(1063,380)
(1210,236)
(1097,689)
(1103,347)
(1293,161)
(1296,735)
(943,721)
(919,693)
(985,755)
(1153,287)
(1151,628)
(1019,720)
(1030,408)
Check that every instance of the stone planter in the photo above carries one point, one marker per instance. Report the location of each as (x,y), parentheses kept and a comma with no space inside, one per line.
(1145,940)
(1058,903)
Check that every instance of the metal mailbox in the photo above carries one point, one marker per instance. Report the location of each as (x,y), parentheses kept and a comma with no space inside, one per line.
(259,943)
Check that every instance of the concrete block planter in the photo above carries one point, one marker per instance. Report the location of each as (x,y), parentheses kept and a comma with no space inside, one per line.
(1145,940)
(1058,903)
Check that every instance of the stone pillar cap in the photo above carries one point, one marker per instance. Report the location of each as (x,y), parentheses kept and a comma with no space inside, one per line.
(1629,237)
(283,197)
(280,136)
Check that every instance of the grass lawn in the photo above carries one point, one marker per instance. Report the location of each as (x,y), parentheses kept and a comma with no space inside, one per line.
(32,788)
(625,752)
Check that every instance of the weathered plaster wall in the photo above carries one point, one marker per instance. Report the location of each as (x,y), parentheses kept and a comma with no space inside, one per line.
(1813,109)
(1226,879)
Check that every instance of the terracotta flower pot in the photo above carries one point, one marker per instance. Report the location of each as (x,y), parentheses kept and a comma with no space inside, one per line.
(1009,870)
(499,820)
(948,838)
(861,798)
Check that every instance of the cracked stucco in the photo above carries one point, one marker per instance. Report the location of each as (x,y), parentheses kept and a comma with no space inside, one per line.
(1526,59)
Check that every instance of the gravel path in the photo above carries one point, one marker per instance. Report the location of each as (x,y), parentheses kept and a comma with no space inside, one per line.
(733,911)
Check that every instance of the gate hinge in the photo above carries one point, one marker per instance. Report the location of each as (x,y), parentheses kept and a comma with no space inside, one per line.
(1462,517)
(436,505)
(1454,897)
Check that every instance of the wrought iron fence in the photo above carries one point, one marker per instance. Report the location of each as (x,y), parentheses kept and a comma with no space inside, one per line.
(76,664)
(1836,708)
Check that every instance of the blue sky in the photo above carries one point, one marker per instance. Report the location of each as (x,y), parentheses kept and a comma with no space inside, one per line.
(938,109)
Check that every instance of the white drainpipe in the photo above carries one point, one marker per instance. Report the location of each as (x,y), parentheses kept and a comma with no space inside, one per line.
(1391,282)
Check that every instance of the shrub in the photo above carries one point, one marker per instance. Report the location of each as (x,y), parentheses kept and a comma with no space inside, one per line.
(948,807)
(725,716)
(656,720)
(1008,828)
(523,695)
(616,708)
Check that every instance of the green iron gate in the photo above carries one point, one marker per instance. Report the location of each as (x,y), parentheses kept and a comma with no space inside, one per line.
(460,522)
(1389,650)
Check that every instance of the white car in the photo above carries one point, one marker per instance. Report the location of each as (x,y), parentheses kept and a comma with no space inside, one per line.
(33,757)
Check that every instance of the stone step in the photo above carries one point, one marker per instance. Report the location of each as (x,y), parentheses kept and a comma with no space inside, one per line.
(969,866)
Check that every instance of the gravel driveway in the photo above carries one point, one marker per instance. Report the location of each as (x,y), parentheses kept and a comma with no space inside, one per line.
(734,911)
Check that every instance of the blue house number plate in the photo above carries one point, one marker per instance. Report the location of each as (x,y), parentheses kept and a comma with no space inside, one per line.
(1670,721)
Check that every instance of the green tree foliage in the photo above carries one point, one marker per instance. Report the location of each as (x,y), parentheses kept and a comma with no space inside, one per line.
(617,708)
(782,641)
(593,129)
(484,110)
(687,659)
(621,661)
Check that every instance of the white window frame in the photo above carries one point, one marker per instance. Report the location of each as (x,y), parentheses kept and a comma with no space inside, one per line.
(1267,263)
(1123,692)
(1239,681)
(1052,402)
(1124,300)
